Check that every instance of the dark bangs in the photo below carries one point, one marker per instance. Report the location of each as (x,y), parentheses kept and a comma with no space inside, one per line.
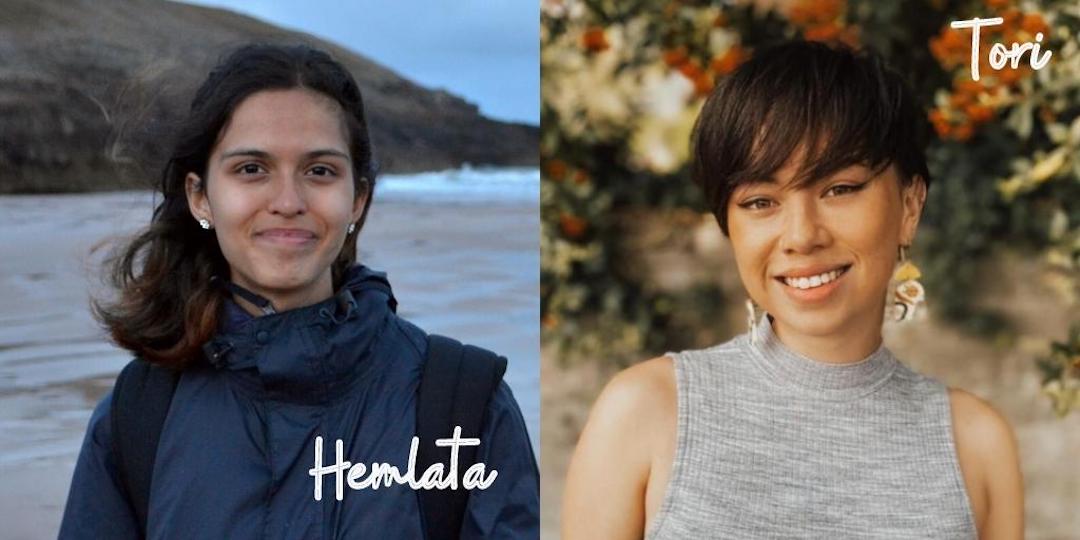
(840,106)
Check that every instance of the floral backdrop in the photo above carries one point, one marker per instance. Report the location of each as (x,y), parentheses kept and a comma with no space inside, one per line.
(623,81)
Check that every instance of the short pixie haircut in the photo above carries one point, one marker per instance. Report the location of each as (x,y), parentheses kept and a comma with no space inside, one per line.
(844,107)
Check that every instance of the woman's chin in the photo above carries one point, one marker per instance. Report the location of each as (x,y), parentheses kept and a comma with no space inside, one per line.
(284,279)
(818,322)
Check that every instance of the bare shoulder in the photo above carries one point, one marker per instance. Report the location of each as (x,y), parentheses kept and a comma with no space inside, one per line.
(981,430)
(609,473)
(640,396)
(989,459)
(647,383)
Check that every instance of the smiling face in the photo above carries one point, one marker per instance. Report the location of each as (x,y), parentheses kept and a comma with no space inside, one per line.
(279,192)
(819,258)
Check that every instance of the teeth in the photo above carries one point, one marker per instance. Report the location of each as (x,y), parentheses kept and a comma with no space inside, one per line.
(813,281)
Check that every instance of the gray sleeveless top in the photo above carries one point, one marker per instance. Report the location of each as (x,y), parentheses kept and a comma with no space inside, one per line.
(772,444)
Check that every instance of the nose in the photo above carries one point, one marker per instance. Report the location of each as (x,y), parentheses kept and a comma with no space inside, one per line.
(803,230)
(288,198)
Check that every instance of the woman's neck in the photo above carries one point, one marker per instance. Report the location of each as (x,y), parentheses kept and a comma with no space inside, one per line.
(285,299)
(853,342)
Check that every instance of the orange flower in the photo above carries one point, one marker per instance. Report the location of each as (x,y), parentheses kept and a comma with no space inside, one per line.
(1033,23)
(594,40)
(950,47)
(675,57)
(969,87)
(800,13)
(963,132)
(953,39)
(572,226)
(727,62)
(978,114)
(1011,16)
(941,125)
(958,100)
(556,169)
(581,177)
(997,4)
(811,12)
(938,51)
(850,36)
(822,32)
(691,70)
(703,84)
(1009,76)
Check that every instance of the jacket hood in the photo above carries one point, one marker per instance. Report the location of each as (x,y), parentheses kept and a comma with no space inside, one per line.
(310,354)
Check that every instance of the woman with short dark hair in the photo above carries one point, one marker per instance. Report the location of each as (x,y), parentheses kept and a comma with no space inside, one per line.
(264,353)
(811,158)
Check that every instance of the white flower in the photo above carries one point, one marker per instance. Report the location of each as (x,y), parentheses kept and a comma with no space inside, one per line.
(662,136)
(910,292)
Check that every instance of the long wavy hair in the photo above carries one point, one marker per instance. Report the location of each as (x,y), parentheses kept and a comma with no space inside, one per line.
(166,307)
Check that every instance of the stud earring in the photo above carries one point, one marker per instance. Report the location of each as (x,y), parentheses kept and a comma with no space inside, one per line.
(352,227)
(204,224)
(751,320)
(908,293)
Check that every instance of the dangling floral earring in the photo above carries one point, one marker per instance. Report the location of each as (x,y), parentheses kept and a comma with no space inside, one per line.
(751,320)
(909,293)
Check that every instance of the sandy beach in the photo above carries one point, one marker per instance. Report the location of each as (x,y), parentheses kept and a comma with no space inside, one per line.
(466,268)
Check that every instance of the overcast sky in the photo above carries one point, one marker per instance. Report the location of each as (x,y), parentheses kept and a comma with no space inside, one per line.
(486,51)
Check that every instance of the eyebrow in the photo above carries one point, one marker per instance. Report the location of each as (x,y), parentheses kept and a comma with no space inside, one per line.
(253,152)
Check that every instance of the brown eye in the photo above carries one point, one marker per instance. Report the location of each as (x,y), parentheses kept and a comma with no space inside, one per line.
(320,170)
(843,189)
(250,168)
(756,204)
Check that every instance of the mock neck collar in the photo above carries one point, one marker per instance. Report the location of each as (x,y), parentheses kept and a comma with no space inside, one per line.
(822,379)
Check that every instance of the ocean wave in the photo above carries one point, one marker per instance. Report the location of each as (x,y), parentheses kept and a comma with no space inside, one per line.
(465,185)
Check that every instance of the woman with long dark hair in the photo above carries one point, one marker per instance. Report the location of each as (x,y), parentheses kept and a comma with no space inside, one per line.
(812,160)
(264,351)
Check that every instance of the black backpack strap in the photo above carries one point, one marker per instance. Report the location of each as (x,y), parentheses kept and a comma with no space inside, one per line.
(140,401)
(455,389)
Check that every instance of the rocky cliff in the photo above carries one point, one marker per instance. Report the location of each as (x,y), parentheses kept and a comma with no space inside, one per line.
(89,90)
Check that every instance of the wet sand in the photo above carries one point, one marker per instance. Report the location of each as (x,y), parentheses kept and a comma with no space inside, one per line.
(466,269)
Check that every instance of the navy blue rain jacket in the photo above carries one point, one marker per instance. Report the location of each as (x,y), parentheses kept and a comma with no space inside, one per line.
(239,438)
